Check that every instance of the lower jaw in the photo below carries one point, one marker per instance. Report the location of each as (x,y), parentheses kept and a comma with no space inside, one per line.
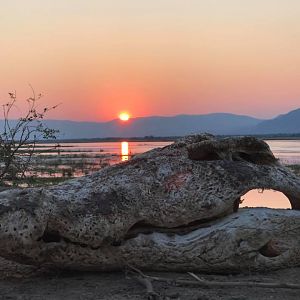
(252,239)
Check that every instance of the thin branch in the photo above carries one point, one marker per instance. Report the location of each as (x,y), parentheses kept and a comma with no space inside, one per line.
(206,283)
(146,282)
(196,277)
(15,163)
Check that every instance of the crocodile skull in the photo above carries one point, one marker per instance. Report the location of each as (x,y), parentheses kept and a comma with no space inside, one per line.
(172,208)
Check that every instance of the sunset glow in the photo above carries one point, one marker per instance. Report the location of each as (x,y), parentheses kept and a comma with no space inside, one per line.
(124,116)
(165,57)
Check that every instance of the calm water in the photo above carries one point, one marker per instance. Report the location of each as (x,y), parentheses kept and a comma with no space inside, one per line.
(111,148)
(288,151)
(85,158)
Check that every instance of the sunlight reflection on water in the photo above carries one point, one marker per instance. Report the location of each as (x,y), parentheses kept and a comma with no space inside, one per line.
(124,151)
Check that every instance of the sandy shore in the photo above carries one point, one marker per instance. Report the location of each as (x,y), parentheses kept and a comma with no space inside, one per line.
(24,282)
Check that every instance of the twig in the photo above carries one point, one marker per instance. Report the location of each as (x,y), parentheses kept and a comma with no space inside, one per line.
(136,270)
(203,282)
(196,277)
(146,281)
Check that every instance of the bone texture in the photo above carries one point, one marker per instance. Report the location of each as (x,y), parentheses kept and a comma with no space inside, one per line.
(173,208)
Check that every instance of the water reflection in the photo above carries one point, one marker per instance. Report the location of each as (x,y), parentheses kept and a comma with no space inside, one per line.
(124,151)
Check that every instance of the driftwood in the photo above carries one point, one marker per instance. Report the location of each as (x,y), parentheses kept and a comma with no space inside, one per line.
(174,208)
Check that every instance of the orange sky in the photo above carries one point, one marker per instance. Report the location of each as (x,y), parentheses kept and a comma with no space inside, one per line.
(159,57)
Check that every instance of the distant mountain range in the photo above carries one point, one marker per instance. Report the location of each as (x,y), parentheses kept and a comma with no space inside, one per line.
(216,123)
(284,124)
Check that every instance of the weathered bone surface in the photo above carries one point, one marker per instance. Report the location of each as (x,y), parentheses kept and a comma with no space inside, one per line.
(168,209)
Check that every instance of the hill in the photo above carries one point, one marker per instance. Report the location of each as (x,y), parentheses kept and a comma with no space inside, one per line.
(160,126)
(218,123)
(283,124)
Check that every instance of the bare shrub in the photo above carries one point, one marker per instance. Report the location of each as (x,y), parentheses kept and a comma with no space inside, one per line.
(18,138)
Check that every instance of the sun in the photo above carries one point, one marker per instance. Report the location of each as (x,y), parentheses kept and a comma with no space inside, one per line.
(124,116)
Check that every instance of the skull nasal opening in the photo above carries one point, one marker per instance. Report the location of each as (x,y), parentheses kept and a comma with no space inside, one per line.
(265,198)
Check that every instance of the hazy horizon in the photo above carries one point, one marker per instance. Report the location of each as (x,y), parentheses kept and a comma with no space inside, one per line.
(161,57)
(116,118)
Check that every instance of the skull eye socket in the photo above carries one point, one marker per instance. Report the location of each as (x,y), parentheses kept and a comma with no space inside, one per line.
(203,153)
(255,158)
(208,156)
(244,156)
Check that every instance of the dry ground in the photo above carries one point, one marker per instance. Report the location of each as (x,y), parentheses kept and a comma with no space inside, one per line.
(23,282)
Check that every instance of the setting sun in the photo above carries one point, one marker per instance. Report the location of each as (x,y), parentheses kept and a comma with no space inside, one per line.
(124,116)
